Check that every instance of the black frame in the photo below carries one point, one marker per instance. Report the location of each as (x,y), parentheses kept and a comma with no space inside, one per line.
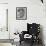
(25,13)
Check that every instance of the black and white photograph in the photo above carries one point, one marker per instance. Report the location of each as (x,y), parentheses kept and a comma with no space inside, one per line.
(21,13)
(22,22)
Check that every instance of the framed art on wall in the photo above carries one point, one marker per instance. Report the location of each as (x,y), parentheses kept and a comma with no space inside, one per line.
(21,13)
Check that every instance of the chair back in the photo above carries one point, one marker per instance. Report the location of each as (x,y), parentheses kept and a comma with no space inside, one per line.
(33,29)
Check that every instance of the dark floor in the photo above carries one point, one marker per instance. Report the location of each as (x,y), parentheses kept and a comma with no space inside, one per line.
(29,44)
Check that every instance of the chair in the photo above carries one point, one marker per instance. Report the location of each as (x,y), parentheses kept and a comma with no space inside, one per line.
(33,30)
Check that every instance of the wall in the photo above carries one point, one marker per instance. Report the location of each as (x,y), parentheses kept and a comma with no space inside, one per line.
(4,34)
(35,13)
(3,1)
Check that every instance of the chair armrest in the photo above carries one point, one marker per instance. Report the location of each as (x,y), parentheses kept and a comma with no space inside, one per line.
(24,32)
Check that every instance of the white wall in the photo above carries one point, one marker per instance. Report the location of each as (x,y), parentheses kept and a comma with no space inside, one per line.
(4,34)
(35,13)
(3,1)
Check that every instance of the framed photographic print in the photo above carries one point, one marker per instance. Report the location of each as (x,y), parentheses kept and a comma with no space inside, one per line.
(21,13)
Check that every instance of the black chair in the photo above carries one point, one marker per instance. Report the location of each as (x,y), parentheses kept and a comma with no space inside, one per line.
(32,29)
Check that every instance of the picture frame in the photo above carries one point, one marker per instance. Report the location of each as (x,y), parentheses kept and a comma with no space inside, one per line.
(21,13)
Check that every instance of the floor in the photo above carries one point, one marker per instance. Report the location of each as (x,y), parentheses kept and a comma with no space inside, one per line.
(27,44)
(22,44)
(5,44)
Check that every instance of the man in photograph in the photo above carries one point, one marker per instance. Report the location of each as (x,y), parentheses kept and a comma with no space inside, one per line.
(21,13)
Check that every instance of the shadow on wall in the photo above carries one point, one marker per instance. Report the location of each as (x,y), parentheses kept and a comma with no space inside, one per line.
(41,34)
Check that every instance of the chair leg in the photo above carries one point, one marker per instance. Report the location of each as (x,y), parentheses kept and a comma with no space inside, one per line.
(32,42)
(20,42)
